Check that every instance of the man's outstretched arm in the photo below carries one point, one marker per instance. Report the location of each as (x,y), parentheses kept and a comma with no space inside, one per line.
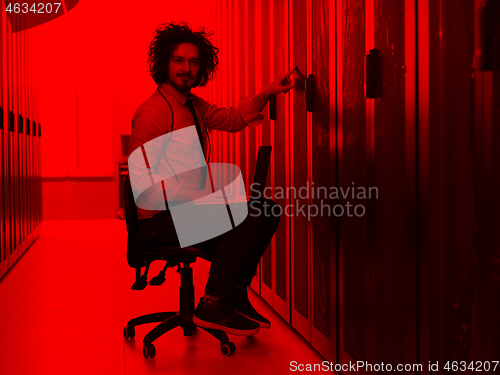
(248,110)
(281,84)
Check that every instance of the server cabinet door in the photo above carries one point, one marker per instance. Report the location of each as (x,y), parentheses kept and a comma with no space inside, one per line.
(322,177)
(38,173)
(25,56)
(222,38)
(489,259)
(18,145)
(354,257)
(4,222)
(252,45)
(262,78)
(28,129)
(250,83)
(266,264)
(300,151)
(279,137)
(392,224)
(243,83)
(7,98)
(232,100)
(224,53)
(460,189)
(458,193)
(29,116)
(275,275)
(22,139)
(14,217)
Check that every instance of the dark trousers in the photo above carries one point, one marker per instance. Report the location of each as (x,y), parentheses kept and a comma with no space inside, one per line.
(235,254)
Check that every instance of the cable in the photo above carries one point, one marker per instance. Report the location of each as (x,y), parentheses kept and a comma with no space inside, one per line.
(171,132)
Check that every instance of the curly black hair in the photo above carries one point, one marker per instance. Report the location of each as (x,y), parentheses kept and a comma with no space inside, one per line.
(166,39)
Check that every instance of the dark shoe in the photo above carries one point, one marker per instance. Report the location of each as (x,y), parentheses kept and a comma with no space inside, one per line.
(216,315)
(241,304)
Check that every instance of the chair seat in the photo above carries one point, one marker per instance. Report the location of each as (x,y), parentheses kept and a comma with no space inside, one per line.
(163,250)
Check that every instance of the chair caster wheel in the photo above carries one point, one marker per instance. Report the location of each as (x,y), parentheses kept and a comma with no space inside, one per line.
(227,348)
(128,333)
(148,351)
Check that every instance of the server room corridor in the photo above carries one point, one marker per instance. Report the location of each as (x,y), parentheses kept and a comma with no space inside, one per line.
(63,308)
(330,165)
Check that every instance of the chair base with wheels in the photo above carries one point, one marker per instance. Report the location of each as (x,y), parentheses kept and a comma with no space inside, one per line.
(184,317)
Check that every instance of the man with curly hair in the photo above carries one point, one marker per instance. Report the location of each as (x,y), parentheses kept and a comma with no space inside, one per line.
(179,60)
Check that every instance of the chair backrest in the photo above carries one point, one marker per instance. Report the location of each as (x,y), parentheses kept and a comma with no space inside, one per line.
(135,257)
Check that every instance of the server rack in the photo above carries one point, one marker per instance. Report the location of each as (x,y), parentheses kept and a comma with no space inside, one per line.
(20,186)
(394,95)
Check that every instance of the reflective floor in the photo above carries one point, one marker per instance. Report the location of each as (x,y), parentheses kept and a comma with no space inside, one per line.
(64,304)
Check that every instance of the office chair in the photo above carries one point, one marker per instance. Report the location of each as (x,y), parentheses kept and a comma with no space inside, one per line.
(141,254)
